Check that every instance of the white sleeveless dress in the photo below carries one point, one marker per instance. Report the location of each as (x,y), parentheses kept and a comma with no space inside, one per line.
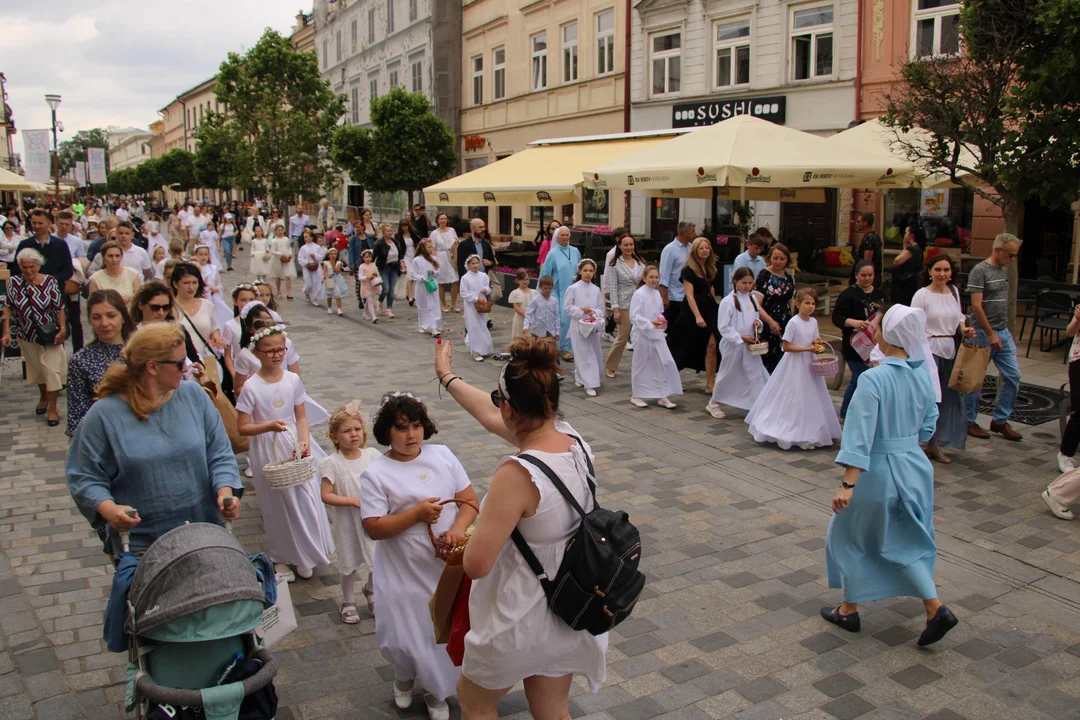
(513,634)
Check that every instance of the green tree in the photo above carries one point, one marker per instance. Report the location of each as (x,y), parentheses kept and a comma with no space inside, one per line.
(221,158)
(178,169)
(148,177)
(1011,100)
(74,150)
(280,116)
(407,149)
(122,181)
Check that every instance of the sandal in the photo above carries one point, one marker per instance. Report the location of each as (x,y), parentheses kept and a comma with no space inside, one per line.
(348,614)
(610,375)
(568,357)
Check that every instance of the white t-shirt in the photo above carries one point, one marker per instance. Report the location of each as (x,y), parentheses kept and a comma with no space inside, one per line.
(136,259)
(121,213)
(194,225)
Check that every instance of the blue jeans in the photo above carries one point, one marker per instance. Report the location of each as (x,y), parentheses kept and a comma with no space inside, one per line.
(228,243)
(857,369)
(1009,384)
(389,278)
(354,252)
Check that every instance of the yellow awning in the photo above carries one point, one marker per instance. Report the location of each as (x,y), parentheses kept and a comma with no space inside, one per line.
(800,195)
(14,183)
(538,175)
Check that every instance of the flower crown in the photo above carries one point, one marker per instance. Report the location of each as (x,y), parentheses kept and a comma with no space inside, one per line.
(586,261)
(249,307)
(472,257)
(390,396)
(243,286)
(265,333)
(199,247)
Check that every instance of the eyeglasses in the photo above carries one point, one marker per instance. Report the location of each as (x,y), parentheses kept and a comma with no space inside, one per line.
(154,307)
(274,352)
(1013,256)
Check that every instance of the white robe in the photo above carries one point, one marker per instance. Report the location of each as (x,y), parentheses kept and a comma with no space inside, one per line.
(428,310)
(260,257)
(585,337)
(795,407)
(313,279)
(443,242)
(742,376)
(210,239)
(477,336)
(653,373)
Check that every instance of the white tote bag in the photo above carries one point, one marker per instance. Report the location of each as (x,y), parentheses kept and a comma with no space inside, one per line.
(279,620)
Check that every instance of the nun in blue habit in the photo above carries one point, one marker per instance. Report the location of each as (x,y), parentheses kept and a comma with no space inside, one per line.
(880,542)
(561,264)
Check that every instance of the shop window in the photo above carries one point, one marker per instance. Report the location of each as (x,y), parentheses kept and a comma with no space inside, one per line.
(812,42)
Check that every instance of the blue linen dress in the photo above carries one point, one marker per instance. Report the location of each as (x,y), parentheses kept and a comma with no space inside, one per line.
(561,264)
(882,544)
(168,467)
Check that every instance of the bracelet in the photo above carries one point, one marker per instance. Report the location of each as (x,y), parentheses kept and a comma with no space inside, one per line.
(447,385)
(847,486)
(440,379)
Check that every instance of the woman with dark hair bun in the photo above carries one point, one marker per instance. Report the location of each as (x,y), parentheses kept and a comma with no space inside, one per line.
(515,636)
(112,327)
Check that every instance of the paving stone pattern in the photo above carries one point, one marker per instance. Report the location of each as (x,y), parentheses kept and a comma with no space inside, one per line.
(733,532)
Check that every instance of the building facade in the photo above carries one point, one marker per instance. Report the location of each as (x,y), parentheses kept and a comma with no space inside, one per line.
(366,47)
(128,147)
(697,62)
(537,70)
(9,160)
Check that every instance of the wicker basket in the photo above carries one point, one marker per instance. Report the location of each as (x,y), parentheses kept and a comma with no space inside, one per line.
(758,347)
(482,304)
(825,366)
(292,471)
(444,551)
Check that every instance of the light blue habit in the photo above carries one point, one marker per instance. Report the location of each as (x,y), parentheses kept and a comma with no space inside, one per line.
(561,264)
(882,544)
(168,467)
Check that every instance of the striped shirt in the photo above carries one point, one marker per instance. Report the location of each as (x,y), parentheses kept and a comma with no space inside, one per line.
(993,283)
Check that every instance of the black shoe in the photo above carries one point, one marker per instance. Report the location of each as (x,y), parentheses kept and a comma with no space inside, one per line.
(943,622)
(229,269)
(850,622)
(412,302)
(40,410)
(54,423)
(490,325)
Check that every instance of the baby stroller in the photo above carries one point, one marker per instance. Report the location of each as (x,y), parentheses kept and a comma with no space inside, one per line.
(193,606)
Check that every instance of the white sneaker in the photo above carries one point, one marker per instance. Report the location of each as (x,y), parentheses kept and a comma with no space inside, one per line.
(284,572)
(478,358)
(1062,512)
(1065,463)
(630,346)
(437,709)
(403,694)
(329,311)
(638,402)
(590,392)
(665,403)
(248,473)
(305,573)
(714,409)
(340,312)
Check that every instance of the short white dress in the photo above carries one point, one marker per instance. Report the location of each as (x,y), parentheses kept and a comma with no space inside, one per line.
(215,293)
(354,548)
(298,531)
(795,407)
(260,257)
(279,248)
(514,635)
(443,241)
(406,568)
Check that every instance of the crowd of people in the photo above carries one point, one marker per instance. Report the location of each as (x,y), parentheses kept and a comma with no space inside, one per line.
(183,376)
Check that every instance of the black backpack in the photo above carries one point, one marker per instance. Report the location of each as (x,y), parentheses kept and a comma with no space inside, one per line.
(598,582)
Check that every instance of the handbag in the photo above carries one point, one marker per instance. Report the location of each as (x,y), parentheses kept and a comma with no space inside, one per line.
(862,341)
(46,334)
(431,285)
(376,282)
(441,605)
(969,368)
(240,443)
(496,286)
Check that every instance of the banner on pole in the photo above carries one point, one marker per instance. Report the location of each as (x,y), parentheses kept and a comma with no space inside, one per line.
(80,173)
(36,156)
(95,158)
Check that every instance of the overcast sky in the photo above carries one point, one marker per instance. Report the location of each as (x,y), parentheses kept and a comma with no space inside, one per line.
(117,62)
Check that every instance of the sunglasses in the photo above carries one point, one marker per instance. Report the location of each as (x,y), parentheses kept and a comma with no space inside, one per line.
(154,307)
(178,364)
(497,398)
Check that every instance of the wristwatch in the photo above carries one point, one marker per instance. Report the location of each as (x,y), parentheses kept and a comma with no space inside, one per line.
(847,486)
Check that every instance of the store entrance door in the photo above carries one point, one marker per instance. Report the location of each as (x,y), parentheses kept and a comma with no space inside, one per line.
(809,225)
(664,213)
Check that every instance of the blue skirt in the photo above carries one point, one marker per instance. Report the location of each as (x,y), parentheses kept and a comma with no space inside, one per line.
(952,421)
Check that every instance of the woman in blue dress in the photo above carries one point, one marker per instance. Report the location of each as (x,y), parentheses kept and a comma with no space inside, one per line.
(880,542)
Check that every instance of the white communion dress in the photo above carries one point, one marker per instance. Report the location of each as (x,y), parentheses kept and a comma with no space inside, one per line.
(475,285)
(653,373)
(428,310)
(742,376)
(584,335)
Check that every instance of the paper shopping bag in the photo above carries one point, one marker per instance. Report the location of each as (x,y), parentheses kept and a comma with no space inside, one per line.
(862,341)
(240,443)
(460,623)
(278,620)
(442,602)
(969,369)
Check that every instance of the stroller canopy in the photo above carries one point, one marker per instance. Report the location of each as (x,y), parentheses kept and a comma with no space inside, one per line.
(189,571)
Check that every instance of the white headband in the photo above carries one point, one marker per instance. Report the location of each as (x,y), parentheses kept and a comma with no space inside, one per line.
(249,307)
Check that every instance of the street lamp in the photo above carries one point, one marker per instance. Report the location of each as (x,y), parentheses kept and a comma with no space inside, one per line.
(54,102)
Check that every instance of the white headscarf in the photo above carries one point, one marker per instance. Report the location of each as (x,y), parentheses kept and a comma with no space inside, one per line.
(905,327)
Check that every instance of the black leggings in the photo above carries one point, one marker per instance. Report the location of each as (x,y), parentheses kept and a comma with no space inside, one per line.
(1070,439)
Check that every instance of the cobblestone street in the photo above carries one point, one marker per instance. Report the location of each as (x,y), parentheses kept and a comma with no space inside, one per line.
(733,534)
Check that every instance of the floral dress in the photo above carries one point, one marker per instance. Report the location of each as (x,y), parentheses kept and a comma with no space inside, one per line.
(777,292)
(85,371)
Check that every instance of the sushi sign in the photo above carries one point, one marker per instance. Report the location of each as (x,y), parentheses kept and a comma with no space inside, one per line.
(773,109)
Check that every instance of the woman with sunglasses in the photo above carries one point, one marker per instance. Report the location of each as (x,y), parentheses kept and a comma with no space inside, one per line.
(515,636)
(152,445)
(153,303)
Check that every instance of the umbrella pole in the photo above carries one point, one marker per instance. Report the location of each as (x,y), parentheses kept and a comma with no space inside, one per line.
(715,195)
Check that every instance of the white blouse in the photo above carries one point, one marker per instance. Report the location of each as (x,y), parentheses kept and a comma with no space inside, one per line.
(943,316)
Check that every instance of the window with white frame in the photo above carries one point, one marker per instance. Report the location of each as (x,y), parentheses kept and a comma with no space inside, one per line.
(412,10)
(371,25)
(418,75)
(353,35)
(936,28)
(337,46)
(666,63)
(605,42)
(498,64)
(569,53)
(389,17)
(812,42)
(394,71)
(539,61)
(478,80)
(732,53)
(354,104)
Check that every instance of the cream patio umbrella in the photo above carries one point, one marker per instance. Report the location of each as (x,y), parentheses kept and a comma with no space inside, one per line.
(14,183)
(748,152)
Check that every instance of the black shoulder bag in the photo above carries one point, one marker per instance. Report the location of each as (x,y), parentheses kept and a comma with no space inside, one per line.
(598,582)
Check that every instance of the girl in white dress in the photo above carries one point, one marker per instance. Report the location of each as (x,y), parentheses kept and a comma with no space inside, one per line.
(270,405)
(423,270)
(405,230)
(210,238)
(281,265)
(653,373)
(311,256)
(475,285)
(340,475)
(584,304)
(245,364)
(742,375)
(212,280)
(260,254)
(444,241)
(520,297)
(514,636)
(400,494)
(242,295)
(795,407)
